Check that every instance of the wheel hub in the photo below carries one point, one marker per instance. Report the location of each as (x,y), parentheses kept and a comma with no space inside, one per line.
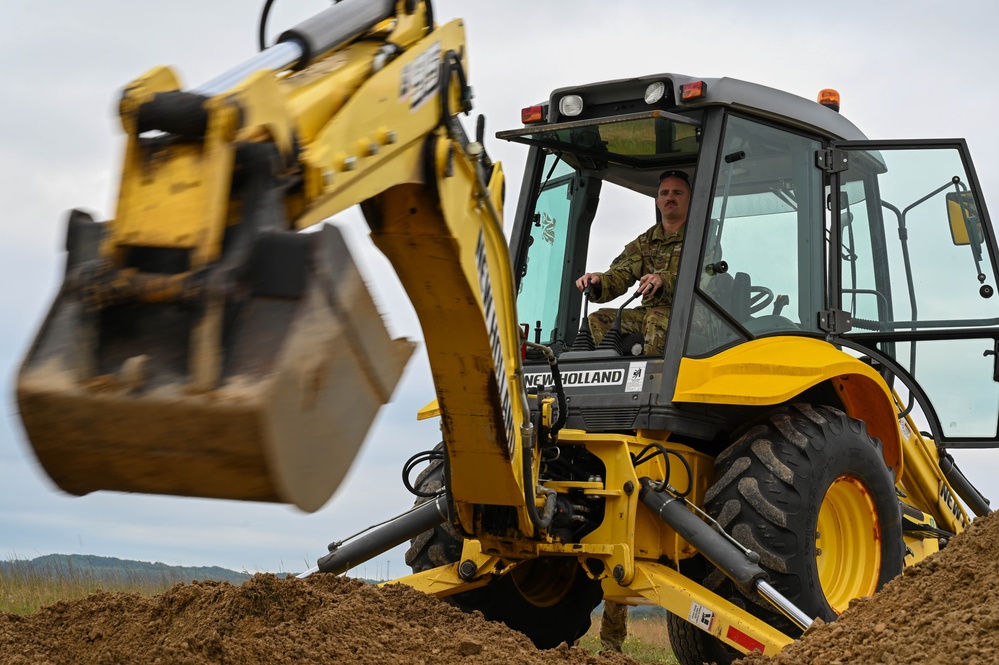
(847,543)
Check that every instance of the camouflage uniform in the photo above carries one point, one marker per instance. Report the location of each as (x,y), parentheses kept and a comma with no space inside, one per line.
(655,251)
(613,625)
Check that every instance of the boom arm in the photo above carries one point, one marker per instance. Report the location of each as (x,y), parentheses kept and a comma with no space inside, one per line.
(202,327)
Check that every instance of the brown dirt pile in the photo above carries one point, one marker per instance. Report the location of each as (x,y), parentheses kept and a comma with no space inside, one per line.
(323,619)
(943,610)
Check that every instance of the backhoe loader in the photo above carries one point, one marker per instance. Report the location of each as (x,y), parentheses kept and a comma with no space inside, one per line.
(833,331)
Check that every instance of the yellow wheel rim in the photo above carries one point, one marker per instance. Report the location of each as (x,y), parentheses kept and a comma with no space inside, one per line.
(546,580)
(847,543)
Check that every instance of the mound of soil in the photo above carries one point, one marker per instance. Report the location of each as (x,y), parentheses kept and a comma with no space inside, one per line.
(322,619)
(943,610)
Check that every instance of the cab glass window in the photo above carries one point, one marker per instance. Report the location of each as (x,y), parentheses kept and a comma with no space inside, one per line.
(918,280)
(762,263)
(543,271)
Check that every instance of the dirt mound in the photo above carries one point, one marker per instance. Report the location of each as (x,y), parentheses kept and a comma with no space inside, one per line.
(323,619)
(943,610)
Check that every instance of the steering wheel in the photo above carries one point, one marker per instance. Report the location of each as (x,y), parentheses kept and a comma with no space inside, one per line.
(759,298)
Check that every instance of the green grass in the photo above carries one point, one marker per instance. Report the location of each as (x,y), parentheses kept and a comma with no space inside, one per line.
(646,642)
(24,590)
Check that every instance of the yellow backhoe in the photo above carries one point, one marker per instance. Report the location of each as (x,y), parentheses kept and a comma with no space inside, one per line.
(832,333)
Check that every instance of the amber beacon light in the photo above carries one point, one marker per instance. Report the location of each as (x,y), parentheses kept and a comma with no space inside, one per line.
(830,98)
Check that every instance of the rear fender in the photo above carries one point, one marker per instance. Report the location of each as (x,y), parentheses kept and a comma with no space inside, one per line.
(775,370)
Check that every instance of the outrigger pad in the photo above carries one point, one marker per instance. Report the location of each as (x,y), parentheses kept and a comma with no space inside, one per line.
(302,364)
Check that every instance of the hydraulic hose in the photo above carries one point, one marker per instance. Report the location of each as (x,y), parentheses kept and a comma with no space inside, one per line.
(541,520)
(563,407)
(262,28)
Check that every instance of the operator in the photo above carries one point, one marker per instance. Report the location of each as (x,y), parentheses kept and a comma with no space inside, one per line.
(613,626)
(651,259)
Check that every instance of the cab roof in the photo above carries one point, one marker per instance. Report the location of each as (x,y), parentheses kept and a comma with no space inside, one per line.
(753,98)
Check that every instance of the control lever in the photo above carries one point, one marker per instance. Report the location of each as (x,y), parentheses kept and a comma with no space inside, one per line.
(584,338)
(612,340)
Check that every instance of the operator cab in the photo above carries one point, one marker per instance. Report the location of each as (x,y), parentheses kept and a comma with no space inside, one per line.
(757,207)
(597,189)
(798,226)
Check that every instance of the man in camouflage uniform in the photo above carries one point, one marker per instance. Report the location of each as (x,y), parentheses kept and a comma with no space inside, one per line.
(613,626)
(652,259)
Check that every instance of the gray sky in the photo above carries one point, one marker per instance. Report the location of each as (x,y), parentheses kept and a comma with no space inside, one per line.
(913,69)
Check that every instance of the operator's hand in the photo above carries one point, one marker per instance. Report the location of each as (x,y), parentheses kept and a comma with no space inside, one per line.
(649,284)
(587,280)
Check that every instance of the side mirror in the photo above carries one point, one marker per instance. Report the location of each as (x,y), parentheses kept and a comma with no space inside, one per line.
(962,212)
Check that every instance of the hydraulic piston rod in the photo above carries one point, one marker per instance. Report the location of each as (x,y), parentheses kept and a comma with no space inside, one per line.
(343,557)
(739,564)
(311,38)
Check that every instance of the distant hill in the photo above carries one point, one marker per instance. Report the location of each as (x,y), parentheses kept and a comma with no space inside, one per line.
(111,568)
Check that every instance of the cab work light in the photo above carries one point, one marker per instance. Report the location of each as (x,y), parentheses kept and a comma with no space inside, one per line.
(655,92)
(570,105)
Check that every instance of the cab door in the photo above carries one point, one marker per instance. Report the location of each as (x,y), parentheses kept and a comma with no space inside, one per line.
(912,272)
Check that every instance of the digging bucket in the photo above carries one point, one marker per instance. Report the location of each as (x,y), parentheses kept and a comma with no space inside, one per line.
(261,389)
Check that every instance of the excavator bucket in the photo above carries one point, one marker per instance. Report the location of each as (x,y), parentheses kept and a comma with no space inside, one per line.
(257,385)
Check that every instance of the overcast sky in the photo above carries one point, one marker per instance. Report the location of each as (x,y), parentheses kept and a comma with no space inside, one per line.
(913,69)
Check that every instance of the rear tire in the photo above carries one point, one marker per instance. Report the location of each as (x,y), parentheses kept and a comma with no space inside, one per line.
(548,599)
(693,646)
(805,487)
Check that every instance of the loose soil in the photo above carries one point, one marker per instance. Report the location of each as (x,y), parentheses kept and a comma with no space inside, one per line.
(322,619)
(942,610)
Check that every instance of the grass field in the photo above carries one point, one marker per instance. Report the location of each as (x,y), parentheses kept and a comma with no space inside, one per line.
(646,642)
(22,590)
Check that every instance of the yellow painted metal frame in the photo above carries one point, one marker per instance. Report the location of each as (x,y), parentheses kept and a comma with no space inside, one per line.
(174,196)
(375,138)
(925,486)
(630,541)
(669,589)
(377,152)
(650,582)
(775,370)
(351,126)
(446,580)
(363,140)
(917,547)
(654,582)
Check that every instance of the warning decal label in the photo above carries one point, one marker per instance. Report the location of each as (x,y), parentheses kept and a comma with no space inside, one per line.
(701,617)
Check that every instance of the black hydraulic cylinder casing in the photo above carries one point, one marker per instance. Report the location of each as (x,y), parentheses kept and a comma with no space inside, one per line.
(715,547)
(968,492)
(174,112)
(405,527)
(335,25)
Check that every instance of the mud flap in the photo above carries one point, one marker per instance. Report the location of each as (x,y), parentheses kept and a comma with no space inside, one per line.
(263,397)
